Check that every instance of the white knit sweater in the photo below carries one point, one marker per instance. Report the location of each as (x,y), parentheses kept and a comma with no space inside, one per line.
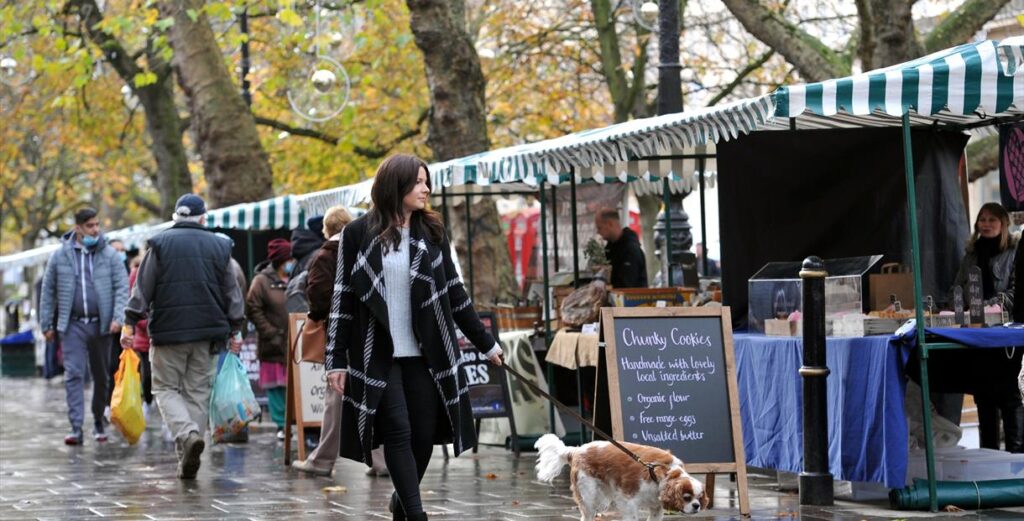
(397,283)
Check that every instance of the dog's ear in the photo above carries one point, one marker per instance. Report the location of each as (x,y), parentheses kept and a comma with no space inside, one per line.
(674,474)
(705,500)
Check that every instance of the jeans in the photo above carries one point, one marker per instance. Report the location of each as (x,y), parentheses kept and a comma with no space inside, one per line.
(407,422)
(84,346)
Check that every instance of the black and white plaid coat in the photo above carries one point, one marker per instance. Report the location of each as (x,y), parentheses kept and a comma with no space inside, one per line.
(358,337)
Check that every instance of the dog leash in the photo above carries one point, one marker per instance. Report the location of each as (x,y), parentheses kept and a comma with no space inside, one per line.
(581,419)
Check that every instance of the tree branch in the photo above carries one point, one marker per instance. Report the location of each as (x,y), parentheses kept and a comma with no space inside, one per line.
(742,75)
(375,152)
(813,59)
(982,157)
(962,23)
(296,131)
(91,16)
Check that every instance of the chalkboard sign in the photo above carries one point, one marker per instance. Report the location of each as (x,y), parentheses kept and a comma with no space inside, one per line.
(489,395)
(672,381)
(488,385)
(975,297)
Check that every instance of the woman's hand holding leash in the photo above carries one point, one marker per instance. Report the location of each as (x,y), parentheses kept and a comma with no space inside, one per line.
(496,358)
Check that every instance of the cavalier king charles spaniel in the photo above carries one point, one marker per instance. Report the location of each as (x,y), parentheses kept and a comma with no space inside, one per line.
(602,475)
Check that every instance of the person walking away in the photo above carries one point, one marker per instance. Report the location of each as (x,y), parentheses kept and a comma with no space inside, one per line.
(188,291)
(392,350)
(629,266)
(992,248)
(84,292)
(319,290)
(265,306)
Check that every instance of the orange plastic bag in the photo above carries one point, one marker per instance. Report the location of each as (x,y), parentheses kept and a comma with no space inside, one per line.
(126,402)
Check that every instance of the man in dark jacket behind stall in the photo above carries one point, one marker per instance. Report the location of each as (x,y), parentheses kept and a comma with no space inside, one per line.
(187,288)
(629,266)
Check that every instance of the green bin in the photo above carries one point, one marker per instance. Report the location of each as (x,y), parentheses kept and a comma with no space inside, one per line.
(18,355)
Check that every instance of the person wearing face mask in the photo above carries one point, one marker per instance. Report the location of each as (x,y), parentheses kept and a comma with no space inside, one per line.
(266,307)
(84,293)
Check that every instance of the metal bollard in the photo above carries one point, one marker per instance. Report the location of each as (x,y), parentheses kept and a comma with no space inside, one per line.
(815,480)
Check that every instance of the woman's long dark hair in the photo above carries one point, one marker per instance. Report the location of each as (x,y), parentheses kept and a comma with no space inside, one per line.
(396,177)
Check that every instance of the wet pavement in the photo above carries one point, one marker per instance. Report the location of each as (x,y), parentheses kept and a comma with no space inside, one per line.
(41,478)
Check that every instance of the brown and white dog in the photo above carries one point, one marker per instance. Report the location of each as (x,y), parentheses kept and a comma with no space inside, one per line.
(602,475)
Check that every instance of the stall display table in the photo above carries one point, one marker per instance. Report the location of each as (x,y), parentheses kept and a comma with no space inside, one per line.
(866,389)
(572,349)
(867,426)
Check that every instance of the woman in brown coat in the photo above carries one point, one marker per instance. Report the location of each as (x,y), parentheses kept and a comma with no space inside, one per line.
(319,290)
(266,308)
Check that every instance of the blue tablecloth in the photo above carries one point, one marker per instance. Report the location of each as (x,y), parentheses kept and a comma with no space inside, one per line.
(867,428)
(975,337)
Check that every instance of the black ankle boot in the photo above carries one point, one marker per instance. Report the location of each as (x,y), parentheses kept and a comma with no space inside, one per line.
(395,507)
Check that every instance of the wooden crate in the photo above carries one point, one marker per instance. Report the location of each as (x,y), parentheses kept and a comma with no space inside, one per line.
(649,297)
(515,318)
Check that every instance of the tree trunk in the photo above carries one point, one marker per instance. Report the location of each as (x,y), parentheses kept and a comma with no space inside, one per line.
(458,121)
(457,128)
(157,100)
(962,24)
(164,128)
(235,165)
(893,29)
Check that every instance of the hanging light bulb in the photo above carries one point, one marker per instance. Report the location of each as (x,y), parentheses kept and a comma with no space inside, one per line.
(8,67)
(649,13)
(323,80)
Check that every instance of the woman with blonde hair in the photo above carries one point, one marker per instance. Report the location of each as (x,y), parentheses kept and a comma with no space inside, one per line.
(993,249)
(319,289)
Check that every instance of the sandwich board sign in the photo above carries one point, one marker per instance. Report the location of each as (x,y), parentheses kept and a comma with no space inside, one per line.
(489,395)
(672,385)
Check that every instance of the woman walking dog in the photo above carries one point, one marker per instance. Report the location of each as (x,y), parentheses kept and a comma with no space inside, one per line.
(391,345)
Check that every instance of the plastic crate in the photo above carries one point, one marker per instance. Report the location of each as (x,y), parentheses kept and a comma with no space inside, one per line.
(975,465)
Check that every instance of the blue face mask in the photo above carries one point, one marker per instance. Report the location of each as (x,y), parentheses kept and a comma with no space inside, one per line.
(89,241)
(289,266)
(122,255)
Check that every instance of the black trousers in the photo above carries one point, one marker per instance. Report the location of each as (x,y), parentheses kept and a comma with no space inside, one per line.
(407,422)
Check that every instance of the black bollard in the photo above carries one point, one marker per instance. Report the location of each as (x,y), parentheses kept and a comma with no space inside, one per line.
(815,480)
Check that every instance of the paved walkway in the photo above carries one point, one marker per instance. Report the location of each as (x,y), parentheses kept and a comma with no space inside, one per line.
(41,478)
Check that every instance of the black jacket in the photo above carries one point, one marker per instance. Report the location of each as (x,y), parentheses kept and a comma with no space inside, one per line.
(358,337)
(1018,276)
(188,302)
(629,266)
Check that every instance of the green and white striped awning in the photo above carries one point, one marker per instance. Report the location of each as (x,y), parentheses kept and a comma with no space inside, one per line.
(617,153)
(967,83)
(279,213)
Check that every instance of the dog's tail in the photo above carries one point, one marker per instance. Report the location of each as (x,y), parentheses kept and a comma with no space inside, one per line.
(552,455)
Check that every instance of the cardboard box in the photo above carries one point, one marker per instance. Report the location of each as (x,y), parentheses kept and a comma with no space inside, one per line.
(895,279)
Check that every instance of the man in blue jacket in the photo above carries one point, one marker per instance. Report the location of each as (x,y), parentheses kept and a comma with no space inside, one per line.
(85,289)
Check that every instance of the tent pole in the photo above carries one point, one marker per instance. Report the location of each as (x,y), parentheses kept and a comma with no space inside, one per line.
(701,163)
(915,248)
(469,242)
(554,223)
(666,189)
(249,255)
(444,208)
(547,303)
(575,229)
